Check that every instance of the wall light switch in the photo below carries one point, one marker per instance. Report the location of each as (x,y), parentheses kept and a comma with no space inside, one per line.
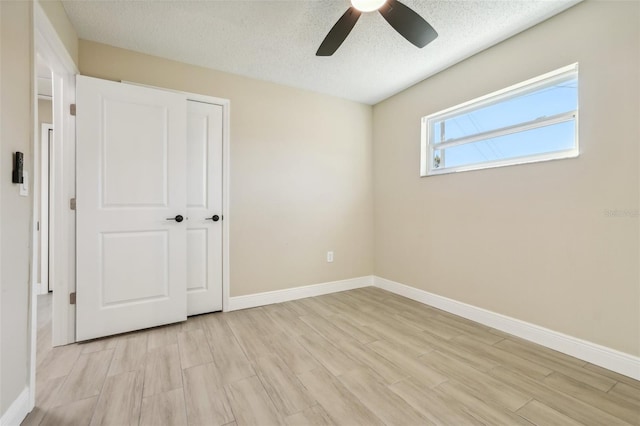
(24,186)
(329,256)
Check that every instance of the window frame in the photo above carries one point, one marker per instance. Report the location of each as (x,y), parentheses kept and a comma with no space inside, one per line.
(549,79)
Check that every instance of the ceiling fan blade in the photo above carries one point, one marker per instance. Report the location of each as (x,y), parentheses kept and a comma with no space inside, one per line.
(408,23)
(339,32)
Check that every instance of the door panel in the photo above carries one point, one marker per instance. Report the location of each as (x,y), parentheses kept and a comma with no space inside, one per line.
(197,265)
(204,199)
(134,256)
(197,156)
(134,174)
(131,177)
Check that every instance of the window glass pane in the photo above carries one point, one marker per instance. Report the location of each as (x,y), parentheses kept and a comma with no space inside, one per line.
(543,102)
(548,139)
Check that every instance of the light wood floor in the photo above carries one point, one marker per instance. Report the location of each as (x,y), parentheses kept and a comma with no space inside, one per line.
(362,357)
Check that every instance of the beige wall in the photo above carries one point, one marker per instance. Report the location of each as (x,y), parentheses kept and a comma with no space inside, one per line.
(530,241)
(300,171)
(15,211)
(44,112)
(60,21)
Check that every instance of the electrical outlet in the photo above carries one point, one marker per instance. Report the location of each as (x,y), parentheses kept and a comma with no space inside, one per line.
(329,256)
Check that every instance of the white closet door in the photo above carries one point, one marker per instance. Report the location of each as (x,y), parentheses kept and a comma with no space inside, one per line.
(131,180)
(204,201)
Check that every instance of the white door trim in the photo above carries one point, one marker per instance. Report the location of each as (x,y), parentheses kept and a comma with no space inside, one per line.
(49,47)
(62,236)
(226,174)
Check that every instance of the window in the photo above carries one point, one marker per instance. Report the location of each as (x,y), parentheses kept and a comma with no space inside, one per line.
(536,120)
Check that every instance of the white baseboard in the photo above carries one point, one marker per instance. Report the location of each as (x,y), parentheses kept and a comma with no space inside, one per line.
(278,296)
(603,356)
(17,411)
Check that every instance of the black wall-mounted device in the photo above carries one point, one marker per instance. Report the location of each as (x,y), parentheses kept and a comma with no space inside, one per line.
(18,163)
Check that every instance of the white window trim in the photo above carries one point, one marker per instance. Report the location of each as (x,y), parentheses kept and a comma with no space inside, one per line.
(427,150)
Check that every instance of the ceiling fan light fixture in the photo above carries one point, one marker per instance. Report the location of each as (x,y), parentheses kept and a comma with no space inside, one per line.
(403,19)
(368,5)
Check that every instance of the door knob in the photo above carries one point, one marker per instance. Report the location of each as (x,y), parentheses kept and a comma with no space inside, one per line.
(178,218)
(214,218)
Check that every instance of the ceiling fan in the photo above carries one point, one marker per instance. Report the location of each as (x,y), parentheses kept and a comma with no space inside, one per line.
(403,19)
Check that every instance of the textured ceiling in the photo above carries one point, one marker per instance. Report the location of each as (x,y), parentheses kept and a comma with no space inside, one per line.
(277,40)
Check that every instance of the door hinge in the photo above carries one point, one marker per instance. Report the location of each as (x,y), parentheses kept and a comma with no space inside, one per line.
(72,204)
(72,298)
(72,109)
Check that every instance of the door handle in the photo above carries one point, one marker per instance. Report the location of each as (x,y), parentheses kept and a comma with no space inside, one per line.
(178,218)
(214,218)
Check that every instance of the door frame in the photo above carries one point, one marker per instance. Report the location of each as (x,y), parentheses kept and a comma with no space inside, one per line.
(226,175)
(48,47)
